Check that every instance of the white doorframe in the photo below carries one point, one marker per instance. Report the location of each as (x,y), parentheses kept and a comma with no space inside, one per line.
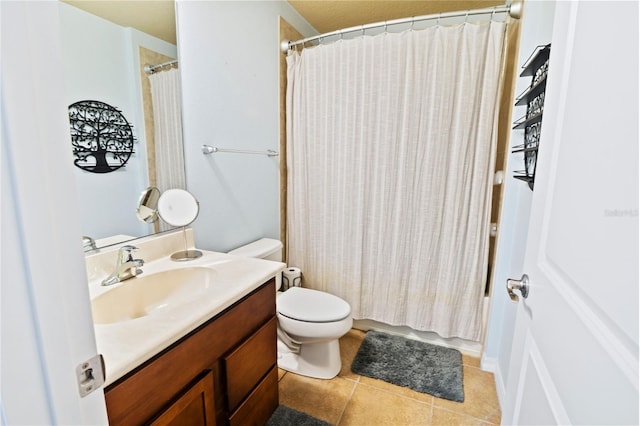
(46,322)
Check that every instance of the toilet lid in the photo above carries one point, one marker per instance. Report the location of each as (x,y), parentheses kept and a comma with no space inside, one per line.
(305,304)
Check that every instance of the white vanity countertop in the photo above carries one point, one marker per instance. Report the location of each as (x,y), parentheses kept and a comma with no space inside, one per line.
(127,344)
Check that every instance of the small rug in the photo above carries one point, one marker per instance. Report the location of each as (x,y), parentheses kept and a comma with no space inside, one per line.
(417,365)
(285,416)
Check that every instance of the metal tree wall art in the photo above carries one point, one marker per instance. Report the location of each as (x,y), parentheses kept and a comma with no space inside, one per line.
(102,139)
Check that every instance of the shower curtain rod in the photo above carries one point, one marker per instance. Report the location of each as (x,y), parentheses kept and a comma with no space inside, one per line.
(150,69)
(514,10)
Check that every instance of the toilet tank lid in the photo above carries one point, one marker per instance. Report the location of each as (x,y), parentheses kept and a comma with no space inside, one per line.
(258,249)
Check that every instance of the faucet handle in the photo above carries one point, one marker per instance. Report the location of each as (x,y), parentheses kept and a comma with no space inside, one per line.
(125,253)
(88,243)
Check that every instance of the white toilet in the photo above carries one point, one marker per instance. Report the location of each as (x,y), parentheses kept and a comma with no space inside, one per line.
(310,322)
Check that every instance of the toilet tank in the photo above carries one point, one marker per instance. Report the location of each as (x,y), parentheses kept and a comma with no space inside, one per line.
(265,248)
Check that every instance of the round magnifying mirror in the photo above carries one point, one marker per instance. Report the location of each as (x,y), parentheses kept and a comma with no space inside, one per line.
(178,207)
(147,210)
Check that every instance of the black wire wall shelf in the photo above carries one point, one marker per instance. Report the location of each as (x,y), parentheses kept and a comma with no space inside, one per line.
(524,122)
(523,148)
(532,92)
(537,67)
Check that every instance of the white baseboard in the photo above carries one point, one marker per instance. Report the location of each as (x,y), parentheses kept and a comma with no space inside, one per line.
(491,365)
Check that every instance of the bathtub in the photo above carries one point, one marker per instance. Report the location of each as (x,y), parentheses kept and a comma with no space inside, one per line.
(466,347)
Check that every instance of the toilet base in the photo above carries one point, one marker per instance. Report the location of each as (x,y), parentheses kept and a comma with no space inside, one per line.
(317,360)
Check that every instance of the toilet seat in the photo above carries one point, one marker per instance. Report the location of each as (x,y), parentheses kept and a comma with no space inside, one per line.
(305,304)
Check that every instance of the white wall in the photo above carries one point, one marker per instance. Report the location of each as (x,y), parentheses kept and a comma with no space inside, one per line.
(537,25)
(229,65)
(101,63)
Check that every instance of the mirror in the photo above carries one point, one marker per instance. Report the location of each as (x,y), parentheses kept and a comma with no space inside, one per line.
(148,205)
(178,207)
(104,62)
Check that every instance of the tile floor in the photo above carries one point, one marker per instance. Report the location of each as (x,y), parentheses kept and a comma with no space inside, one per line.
(351,399)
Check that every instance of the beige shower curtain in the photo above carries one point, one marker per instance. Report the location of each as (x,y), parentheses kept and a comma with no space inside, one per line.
(167,117)
(391,146)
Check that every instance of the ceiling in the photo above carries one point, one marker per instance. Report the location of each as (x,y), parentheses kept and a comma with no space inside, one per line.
(331,15)
(154,17)
(157,17)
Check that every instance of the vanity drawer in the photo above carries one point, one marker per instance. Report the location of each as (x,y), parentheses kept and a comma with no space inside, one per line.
(260,404)
(249,362)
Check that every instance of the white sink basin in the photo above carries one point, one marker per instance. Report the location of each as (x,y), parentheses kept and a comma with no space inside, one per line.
(153,294)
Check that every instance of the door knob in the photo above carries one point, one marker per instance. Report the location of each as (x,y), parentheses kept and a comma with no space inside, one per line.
(522,285)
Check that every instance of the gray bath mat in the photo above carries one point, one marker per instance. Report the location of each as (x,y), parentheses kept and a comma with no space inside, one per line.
(417,365)
(285,416)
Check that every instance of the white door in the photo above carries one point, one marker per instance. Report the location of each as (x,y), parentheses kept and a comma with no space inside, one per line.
(46,329)
(575,349)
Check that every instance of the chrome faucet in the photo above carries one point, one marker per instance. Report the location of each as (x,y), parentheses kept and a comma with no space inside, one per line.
(126,266)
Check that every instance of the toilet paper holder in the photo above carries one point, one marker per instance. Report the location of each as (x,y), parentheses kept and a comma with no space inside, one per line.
(291,277)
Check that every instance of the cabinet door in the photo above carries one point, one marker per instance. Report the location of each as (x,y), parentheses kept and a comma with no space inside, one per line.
(194,407)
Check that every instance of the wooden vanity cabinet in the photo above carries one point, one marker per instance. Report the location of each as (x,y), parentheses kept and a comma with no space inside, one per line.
(224,372)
